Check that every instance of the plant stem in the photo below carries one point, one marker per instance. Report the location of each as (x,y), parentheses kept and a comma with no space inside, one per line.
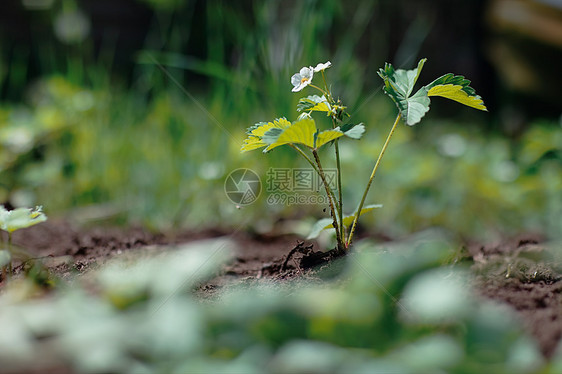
(9,275)
(331,200)
(329,94)
(318,88)
(340,200)
(309,160)
(358,212)
(4,267)
(338,169)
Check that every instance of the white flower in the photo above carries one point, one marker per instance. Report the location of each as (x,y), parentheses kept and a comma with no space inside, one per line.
(322,66)
(302,78)
(12,220)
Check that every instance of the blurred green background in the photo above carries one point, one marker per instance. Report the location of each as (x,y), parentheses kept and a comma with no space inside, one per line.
(134,111)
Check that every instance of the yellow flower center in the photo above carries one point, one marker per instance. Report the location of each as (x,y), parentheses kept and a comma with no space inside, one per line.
(304,80)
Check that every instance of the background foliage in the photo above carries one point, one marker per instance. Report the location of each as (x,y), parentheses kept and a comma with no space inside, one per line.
(140,118)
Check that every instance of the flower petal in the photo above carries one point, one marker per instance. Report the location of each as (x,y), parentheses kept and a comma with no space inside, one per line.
(298,88)
(304,82)
(307,72)
(322,66)
(296,79)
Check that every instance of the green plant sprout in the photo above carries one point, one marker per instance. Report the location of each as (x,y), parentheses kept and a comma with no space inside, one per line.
(398,84)
(12,220)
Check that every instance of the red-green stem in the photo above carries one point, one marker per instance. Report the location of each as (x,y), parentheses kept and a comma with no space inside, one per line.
(377,163)
(340,200)
(331,199)
(4,267)
(9,274)
(338,169)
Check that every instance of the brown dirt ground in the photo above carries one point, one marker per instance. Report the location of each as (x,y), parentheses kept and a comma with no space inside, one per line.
(519,272)
(527,276)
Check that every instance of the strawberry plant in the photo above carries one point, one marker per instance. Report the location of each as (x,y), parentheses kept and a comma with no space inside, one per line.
(12,220)
(305,137)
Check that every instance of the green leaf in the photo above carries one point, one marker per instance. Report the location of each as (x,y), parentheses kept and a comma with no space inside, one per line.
(348,220)
(259,129)
(5,257)
(320,226)
(327,223)
(456,87)
(300,132)
(406,79)
(399,84)
(327,136)
(314,103)
(349,130)
(256,133)
(303,131)
(12,220)
(414,108)
(353,131)
(251,143)
(272,135)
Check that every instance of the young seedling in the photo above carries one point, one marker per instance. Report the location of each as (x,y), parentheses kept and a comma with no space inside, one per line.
(10,221)
(398,84)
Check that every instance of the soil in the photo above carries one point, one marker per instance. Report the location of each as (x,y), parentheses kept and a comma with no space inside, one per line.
(522,273)
(526,275)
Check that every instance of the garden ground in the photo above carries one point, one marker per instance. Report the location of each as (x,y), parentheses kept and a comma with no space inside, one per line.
(521,272)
